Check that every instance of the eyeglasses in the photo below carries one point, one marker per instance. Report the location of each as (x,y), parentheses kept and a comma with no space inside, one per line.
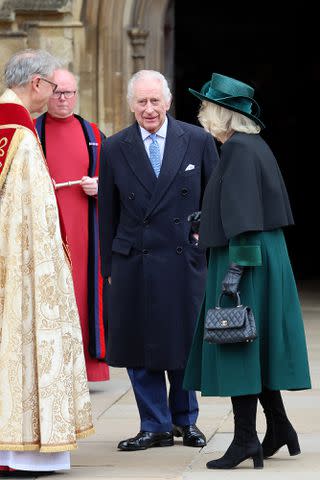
(67,94)
(53,85)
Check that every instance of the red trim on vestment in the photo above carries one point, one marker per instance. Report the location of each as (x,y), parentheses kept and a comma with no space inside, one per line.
(11,113)
(6,135)
(98,138)
(100,278)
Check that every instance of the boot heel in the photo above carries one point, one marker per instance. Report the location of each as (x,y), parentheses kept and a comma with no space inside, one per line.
(258,459)
(293,446)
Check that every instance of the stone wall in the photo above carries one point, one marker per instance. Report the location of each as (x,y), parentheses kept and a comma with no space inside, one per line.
(102,41)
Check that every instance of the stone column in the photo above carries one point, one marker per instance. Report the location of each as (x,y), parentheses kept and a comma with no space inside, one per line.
(138,39)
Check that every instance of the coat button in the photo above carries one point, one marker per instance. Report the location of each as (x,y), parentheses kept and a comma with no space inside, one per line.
(146,221)
(131,196)
(179,250)
(176,220)
(184,192)
(145,251)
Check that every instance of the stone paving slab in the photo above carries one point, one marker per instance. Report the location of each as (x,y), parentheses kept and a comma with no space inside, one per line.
(247,473)
(116,417)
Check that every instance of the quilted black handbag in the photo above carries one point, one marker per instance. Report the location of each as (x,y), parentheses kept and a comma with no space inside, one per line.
(229,325)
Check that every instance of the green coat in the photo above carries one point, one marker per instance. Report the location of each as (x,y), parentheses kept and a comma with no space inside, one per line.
(276,360)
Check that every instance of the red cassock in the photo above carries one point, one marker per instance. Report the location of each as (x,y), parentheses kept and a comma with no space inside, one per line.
(68,159)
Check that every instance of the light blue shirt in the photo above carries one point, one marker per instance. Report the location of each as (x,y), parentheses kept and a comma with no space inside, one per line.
(161,137)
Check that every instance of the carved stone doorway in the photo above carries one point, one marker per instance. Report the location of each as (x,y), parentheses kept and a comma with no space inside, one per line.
(122,36)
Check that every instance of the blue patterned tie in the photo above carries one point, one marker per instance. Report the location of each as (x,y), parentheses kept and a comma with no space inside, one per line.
(154,154)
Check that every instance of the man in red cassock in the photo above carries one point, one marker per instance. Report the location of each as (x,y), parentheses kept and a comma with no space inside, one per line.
(73,147)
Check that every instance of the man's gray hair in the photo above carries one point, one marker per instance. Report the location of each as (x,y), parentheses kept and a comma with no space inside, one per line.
(148,74)
(24,65)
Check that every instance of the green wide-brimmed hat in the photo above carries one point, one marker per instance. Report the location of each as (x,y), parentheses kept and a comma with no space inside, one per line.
(231,94)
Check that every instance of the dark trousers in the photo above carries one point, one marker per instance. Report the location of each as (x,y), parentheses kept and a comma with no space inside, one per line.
(158,412)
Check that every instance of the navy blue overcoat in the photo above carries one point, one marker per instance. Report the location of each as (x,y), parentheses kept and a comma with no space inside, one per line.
(157,271)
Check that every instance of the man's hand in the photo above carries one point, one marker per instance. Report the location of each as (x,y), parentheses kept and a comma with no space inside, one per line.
(194,219)
(196,236)
(89,185)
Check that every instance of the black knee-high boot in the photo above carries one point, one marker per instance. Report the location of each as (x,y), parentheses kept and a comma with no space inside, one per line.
(279,429)
(245,443)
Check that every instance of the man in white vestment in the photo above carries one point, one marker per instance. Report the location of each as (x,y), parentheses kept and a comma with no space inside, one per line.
(44,399)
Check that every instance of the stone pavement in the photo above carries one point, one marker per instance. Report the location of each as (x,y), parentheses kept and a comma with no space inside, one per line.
(116,418)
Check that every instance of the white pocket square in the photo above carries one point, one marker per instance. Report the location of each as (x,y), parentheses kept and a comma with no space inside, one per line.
(189,167)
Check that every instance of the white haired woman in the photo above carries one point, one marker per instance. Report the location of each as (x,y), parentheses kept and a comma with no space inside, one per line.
(245,207)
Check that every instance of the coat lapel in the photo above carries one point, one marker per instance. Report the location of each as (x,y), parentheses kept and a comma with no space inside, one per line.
(175,149)
(136,156)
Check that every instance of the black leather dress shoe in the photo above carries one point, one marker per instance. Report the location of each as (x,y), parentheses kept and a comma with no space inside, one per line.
(192,436)
(145,440)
